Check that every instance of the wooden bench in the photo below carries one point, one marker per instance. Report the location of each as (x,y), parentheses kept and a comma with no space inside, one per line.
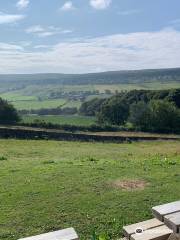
(66,234)
(166,224)
(152,229)
(157,233)
(161,211)
(170,214)
(145,225)
(173,221)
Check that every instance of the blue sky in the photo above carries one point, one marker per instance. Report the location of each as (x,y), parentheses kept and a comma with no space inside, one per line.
(80,36)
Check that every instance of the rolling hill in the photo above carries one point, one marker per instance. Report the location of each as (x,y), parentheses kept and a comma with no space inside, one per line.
(34,91)
(114,77)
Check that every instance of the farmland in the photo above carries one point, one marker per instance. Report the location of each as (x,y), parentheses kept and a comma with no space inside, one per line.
(38,96)
(49,185)
(70,120)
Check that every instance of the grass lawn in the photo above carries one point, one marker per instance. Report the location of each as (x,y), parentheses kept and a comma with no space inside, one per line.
(50,185)
(72,119)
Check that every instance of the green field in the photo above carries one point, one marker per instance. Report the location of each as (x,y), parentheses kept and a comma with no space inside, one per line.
(71,119)
(28,97)
(50,185)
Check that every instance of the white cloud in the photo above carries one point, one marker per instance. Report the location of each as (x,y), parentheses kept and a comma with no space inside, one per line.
(10,18)
(100,4)
(46,31)
(11,47)
(35,29)
(67,6)
(140,50)
(42,46)
(129,12)
(21,4)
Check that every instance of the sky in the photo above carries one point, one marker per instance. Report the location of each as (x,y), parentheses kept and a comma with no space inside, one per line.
(81,36)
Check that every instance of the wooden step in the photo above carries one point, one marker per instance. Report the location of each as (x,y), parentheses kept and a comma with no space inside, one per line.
(162,210)
(145,225)
(173,221)
(66,234)
(158,233)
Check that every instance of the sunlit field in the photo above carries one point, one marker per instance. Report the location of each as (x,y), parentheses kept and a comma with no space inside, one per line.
(50,185)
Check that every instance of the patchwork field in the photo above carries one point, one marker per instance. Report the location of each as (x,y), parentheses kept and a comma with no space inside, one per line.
(68,119)
(37,96)
(49,185)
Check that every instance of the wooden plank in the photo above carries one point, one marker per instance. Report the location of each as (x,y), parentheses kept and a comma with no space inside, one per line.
(173,221)
(66,234)
(158,233)
(174,236)
(131,229)
(160,211)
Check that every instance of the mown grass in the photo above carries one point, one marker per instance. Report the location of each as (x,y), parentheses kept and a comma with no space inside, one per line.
(50,185)
(61,120)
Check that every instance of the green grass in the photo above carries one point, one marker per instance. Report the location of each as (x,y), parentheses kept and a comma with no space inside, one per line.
(50,185)
(21,101)
(28,105)
(16,96)
(72,119)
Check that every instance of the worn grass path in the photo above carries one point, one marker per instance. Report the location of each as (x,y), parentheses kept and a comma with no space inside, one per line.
(49,185)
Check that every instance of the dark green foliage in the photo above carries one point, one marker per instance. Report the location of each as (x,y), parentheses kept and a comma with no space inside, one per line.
(92,107)
(156,111)
(174,96)
(2,158)
(114,111)
(51,111)
(165,116)
(75,128)
(8,114)
(155,116)
(139,115)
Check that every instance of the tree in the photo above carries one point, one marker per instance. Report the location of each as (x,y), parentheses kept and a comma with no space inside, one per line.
(92,107)
(156,116)
(165,116)
(140,115)
(114,111)
(8,114)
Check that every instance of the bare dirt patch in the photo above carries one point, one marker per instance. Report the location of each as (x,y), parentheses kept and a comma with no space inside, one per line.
(130,185)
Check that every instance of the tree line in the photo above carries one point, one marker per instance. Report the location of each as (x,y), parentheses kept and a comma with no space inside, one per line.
(51,111)
(145,110)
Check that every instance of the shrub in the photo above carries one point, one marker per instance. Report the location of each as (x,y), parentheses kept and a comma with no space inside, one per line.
(156,116)
(114,111)
(8,114)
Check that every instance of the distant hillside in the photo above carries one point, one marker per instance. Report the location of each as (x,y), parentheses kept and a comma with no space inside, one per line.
(116,77)
(36,91)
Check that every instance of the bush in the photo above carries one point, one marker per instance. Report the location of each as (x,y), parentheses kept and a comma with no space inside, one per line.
(114,111)
(139,116)
(92,107)
(8,114)
(165,117)
(156,116)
